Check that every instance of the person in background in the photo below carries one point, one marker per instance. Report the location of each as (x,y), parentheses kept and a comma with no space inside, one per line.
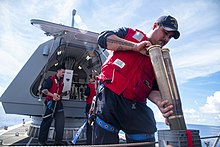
(90,92)
(52,88)
(129,80)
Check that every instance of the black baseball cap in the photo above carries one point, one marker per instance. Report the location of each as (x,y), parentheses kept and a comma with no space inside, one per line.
(169,23)
(59,67)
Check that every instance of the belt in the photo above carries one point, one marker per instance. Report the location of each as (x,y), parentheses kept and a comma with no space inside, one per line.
(140,136)
(106,126)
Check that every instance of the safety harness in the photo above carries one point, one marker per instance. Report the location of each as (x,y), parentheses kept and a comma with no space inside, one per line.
(106,126)
(113,129)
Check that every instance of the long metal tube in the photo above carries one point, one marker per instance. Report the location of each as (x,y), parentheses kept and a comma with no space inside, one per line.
(167,85)
(178,118)
(160,72)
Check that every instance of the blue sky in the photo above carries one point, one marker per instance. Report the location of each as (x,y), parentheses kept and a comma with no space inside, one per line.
(195,55)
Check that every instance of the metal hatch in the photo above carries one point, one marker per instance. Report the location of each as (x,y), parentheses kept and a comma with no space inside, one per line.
(76,43)
(53,29)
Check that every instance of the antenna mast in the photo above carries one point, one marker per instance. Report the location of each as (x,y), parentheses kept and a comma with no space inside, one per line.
(73,14)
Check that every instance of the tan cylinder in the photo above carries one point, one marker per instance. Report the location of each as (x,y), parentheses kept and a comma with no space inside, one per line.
(160,72)
(167,84)
(178,117)
(170,73)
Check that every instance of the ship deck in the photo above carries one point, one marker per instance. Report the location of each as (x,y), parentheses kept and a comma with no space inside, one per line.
(17,136)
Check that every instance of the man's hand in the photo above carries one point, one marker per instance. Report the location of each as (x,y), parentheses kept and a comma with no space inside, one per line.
(56,97)
(165,108)
(142,47)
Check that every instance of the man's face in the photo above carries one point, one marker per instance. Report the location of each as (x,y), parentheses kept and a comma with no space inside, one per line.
(91,80)
(60,73)
(160,36)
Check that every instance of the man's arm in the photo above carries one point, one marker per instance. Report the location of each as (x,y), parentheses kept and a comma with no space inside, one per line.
(55,96)
(116,43)
(163,106)
(114,40)
(46,85)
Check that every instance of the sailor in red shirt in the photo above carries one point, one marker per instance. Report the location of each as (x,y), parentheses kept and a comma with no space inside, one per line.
(90,92)
(52,88)
(129,80)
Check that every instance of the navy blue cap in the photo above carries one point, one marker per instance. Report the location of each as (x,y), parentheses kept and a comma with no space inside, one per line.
(169,23)
(59,67)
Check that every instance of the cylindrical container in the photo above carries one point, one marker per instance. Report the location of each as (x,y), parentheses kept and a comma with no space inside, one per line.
(175,93)
(160,72)
(167,85)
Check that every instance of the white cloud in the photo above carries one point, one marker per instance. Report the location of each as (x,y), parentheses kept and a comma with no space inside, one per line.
(212,104)
(193,116)
(208,114)
(115,14)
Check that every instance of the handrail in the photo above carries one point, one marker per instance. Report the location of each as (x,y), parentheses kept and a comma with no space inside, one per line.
(148,143)
(208,137)
(216,141)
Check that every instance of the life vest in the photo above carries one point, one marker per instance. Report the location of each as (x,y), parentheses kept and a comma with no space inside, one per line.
(128,72)
(92,93)
(55,87)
